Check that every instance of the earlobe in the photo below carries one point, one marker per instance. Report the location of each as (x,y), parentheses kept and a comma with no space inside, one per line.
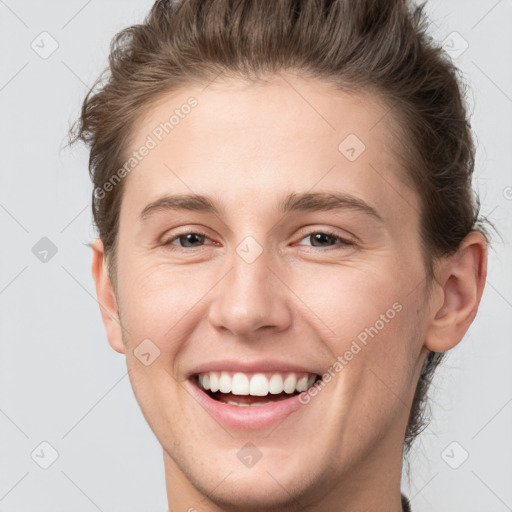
(106,297)
(460,283)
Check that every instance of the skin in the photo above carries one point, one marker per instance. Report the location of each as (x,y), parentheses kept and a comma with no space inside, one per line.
(247,146)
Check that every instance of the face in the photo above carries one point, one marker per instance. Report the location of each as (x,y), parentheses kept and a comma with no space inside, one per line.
(293,255)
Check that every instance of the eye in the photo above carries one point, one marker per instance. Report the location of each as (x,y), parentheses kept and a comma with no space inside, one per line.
(187,240)
(191,239)
(322,239)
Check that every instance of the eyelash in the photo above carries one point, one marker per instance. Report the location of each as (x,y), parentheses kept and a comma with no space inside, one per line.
(327,232)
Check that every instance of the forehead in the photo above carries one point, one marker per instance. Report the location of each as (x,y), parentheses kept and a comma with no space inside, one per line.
(248,141)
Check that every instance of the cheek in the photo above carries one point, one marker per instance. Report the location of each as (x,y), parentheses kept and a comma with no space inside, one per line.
(161,303)
(341,303)
(350,301)
(366,322)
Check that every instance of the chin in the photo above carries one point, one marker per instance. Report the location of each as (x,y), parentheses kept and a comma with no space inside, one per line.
(272,484)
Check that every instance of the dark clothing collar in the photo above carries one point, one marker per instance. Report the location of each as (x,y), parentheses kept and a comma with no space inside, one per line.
(406,506)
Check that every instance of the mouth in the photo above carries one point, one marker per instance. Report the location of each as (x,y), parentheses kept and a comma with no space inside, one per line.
(253,389)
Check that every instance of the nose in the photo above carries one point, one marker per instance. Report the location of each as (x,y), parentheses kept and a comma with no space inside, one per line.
(251,300)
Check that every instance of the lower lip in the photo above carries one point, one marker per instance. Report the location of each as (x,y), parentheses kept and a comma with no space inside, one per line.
(248,418)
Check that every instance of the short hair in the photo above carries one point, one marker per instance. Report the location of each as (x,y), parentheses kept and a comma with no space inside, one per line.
(379,46)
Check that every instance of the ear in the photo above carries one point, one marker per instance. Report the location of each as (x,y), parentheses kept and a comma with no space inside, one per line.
(106,297)
(460,282)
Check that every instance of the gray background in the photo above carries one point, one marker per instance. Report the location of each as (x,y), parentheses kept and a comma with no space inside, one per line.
(62,384)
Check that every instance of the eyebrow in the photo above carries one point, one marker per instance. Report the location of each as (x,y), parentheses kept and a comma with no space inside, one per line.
(320,201)
(294,202)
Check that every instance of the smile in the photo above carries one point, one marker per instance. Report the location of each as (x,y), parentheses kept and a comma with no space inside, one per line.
(250,400)
(254,389)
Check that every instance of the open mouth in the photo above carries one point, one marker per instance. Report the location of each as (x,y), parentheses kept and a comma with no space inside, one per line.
(253,389)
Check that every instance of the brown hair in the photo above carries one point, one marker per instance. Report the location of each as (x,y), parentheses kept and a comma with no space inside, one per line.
(377,45)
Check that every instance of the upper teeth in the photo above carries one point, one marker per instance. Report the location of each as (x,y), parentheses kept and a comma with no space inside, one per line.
(257,384)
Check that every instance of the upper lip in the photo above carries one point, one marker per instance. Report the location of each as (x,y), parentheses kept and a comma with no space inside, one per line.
(259,366)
